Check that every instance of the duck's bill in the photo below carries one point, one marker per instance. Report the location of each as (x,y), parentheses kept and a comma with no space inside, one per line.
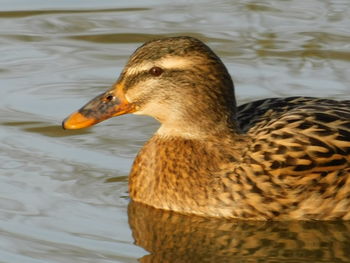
(107,105)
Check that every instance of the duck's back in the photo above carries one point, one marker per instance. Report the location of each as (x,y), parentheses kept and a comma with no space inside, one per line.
(261,113)
(301,153)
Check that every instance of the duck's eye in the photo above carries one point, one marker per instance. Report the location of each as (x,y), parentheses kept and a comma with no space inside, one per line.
(156,71)
(109,98)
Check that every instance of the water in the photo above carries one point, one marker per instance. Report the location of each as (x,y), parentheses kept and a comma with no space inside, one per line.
(63,194)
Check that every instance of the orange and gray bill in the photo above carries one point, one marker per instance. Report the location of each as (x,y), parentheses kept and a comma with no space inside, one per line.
(109,104)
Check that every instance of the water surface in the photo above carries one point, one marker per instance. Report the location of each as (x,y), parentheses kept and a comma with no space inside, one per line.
(63,194)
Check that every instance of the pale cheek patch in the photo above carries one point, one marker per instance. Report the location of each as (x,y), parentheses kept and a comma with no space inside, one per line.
(141,90)
(154,106)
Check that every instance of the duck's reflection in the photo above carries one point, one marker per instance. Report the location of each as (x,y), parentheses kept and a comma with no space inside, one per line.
(171,237)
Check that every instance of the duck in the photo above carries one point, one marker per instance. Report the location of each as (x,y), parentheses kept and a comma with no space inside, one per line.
(269,159)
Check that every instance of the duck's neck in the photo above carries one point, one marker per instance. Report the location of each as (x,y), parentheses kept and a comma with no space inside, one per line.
(191,132)
(199,125)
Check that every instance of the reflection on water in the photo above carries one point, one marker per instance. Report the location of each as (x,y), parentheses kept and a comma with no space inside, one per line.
(63,194)
(171,237)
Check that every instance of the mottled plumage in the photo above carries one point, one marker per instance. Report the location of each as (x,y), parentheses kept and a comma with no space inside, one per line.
(278,158)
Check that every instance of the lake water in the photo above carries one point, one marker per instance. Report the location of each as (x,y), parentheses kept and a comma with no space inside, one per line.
(63,194)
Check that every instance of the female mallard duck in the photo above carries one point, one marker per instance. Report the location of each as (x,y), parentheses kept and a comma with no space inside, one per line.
(279,158)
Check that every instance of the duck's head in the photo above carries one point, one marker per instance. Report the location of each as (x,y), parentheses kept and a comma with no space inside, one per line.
(179,81)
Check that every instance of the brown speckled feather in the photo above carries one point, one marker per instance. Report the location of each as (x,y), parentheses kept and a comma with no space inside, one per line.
(301,152)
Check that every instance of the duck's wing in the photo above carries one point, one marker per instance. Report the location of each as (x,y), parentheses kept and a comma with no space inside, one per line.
(300,152)
(298,134)
(296,127)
